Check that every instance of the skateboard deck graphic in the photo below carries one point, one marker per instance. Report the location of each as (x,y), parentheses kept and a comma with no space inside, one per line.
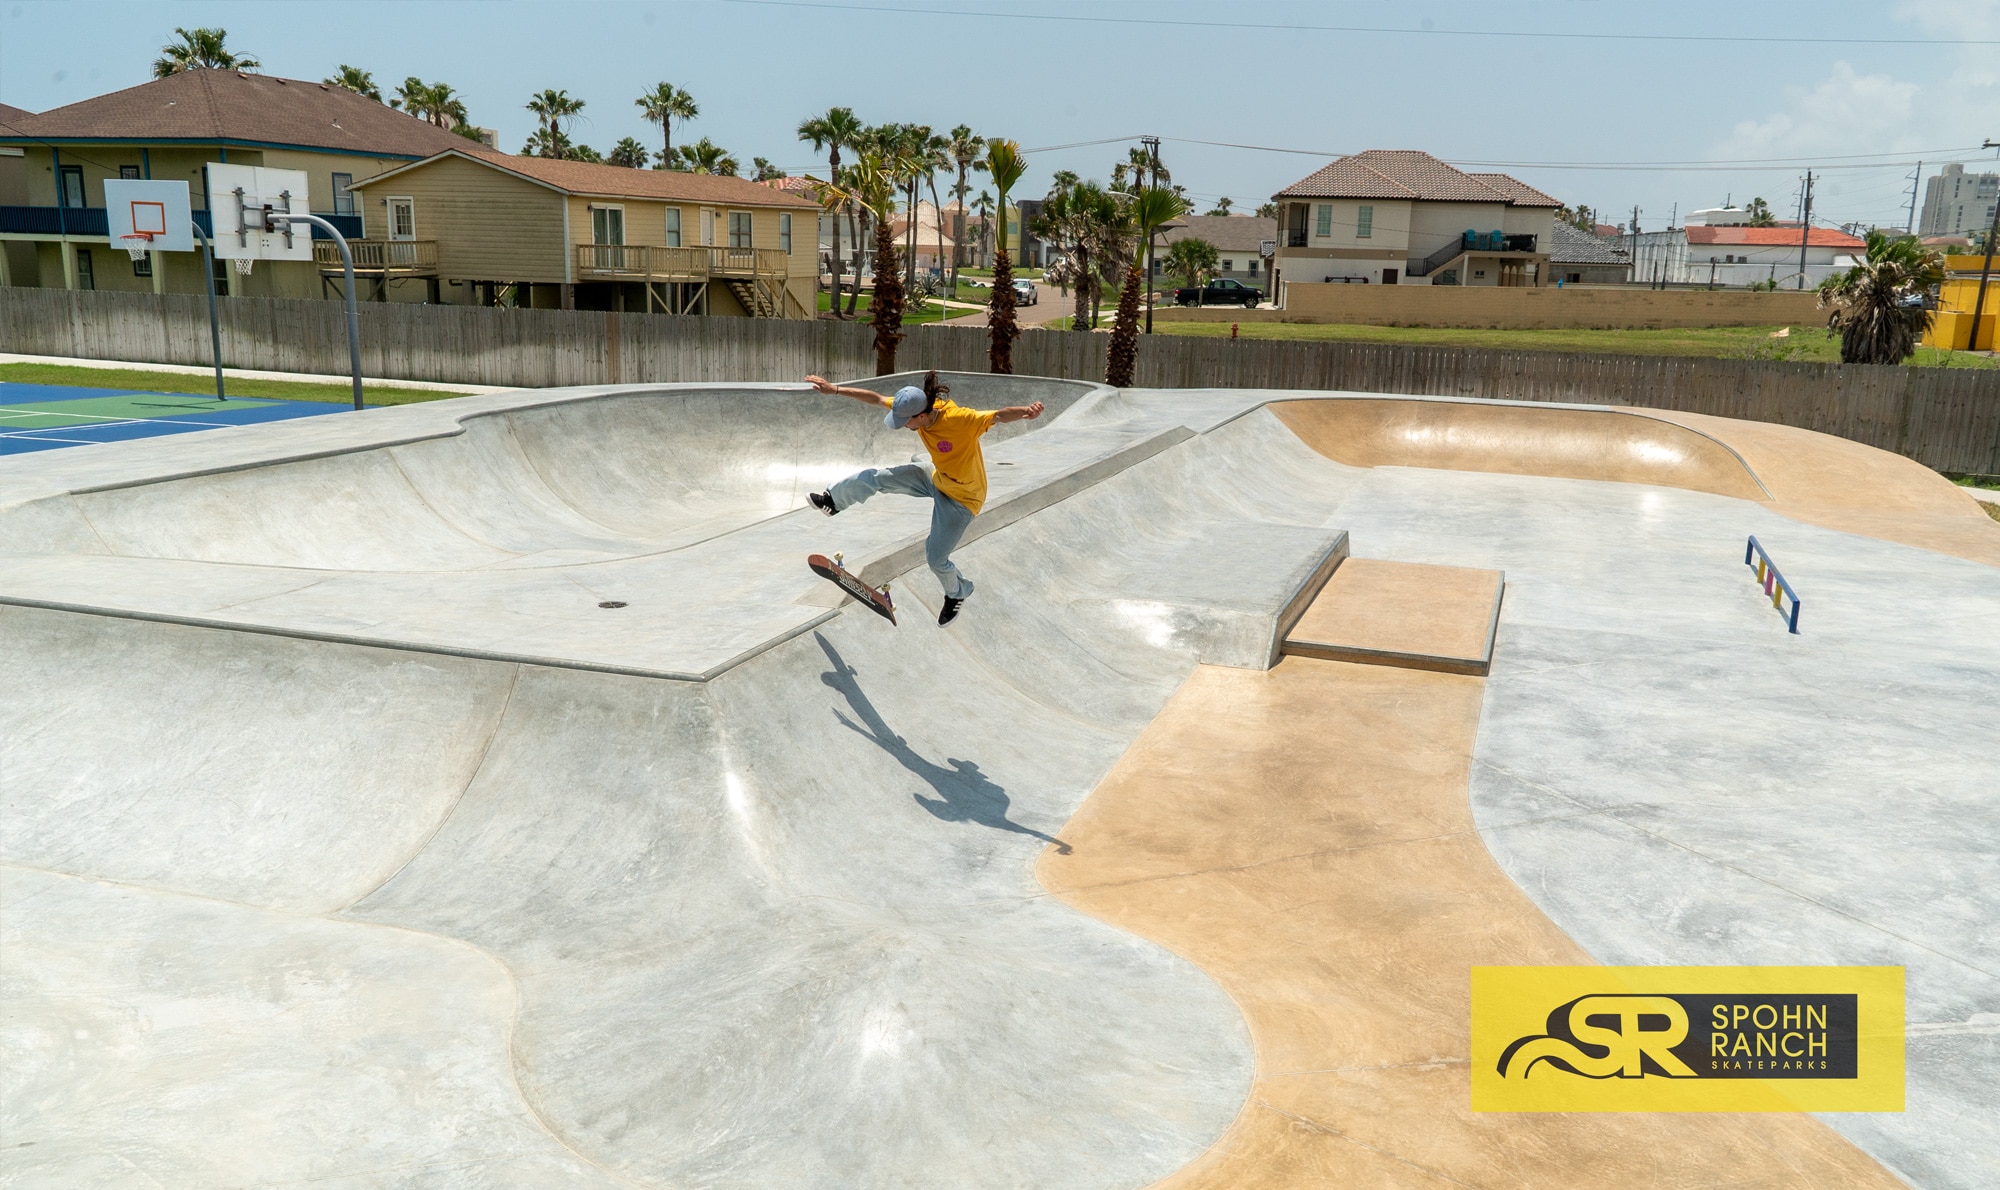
(876,599)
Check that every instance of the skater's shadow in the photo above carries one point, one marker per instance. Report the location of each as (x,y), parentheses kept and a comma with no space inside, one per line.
(964,794)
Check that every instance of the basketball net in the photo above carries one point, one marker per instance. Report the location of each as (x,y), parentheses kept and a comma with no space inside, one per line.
(243,264)
(137,244)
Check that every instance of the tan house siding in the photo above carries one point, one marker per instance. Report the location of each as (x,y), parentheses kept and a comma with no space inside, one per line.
(489,225)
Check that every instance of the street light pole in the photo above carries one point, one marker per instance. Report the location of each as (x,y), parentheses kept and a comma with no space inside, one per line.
(1152,144)
(347,268)
(1985,272)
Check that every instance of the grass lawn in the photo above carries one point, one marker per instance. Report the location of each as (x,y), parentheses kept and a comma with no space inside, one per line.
(936,311)
(1804,344)
(183,382)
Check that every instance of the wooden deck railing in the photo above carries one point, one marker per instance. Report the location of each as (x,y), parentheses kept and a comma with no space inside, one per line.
(637,262)
(412,257)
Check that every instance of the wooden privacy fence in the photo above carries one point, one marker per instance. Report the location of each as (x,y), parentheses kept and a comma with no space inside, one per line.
(1948,419)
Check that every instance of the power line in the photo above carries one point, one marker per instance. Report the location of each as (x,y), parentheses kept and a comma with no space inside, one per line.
(1072,18)
(1786,164)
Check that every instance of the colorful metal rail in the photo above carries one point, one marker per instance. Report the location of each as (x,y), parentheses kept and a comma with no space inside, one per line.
(1774,584)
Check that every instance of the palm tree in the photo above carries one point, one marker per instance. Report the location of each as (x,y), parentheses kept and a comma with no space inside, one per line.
(543,142)
(706,157)
(1222,205)
(965,150)
(552,107)
(585,153)
(835,130)
(1089,224)
(357,80)
(1151,207)
(871,184)
(983,207)
(766,172)
(200,49)
(662,105)
(937,156)
(1005,163)
(1877,306)
(629,153)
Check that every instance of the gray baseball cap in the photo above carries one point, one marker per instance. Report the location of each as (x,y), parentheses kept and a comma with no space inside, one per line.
(909,401)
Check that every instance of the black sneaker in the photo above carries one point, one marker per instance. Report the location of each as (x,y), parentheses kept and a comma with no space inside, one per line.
(822,501)
(950,611)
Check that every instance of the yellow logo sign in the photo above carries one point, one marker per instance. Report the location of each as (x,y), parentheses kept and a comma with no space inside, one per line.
(1687,1039)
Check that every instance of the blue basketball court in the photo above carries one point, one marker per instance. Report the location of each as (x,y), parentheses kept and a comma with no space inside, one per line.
(49,417)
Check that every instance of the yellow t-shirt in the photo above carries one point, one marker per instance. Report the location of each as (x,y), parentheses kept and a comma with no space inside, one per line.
(953,440)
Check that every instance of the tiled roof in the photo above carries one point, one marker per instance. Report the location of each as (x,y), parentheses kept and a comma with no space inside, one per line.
(1769,237)
(804,187)
(1229,233)
(1572,245)
(225,105)
(616,181)
(1407,173)
(1519,193)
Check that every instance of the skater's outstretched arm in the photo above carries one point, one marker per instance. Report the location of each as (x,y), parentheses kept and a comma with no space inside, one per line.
(1018,412)
(840,390)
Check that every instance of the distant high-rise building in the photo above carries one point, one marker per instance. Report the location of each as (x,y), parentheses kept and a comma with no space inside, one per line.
(1957,203)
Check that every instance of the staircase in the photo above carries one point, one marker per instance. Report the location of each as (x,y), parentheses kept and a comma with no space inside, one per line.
(755,298)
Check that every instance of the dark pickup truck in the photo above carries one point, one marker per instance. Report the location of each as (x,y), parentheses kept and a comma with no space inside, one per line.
(1225,292)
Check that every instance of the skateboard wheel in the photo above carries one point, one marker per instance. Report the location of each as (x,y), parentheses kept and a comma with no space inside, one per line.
(837,558)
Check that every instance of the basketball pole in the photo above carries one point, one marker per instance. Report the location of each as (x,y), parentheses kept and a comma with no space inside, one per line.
(214,327)
(347,267)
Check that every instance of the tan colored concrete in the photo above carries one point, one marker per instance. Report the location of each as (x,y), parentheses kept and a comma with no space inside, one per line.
(1519,440)
(1829,481)
(1442,614)
(1303,834)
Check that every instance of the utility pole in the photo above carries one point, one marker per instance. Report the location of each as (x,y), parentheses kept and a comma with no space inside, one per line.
(1805,229)
(1634,253)
(1916,180)
(1152,144)
(1985,272)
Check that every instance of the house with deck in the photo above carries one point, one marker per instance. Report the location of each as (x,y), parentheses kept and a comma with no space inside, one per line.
(1402,217)
(55,228)
(544,233)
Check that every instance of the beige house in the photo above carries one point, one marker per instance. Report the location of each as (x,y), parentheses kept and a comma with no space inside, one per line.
(1239,242)
(1401,217)
(532,231)
(55,228)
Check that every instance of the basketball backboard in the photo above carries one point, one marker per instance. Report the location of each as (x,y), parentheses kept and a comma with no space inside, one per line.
(238,196)
(162,208)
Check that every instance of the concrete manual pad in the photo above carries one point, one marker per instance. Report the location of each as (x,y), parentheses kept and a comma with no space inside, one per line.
(346,839)
(1412,615)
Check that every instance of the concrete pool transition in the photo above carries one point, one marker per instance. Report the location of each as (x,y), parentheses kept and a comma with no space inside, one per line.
(483,793)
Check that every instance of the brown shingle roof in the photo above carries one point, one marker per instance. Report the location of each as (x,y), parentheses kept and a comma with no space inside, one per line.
(1573,245)
(224,105)
(1229,233)
(1407,173)
(1519,193)
(11,114)
(615,181)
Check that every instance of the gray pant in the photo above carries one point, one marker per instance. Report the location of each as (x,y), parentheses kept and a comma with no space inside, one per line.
(948,517)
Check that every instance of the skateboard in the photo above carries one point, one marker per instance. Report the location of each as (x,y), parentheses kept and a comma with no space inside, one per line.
(876,599)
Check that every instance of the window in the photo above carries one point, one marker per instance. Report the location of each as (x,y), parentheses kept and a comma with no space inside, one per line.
(739,229)
(143,266)
(85,277)
(402,218)
(1324,227)
(343,198)
(129,172)
(673,227)
(1253,268)
(219,275)
(72,187)
(607,225)
(1364,222)
(1228,266)
(785,233)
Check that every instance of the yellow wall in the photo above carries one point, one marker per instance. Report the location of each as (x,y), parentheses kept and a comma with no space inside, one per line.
(1523,308)
(489,225)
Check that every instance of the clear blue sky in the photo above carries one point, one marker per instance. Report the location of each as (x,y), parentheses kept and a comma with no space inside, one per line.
(1276,73)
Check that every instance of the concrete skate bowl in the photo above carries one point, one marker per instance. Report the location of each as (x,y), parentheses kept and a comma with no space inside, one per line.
(1512,439)
(591,479)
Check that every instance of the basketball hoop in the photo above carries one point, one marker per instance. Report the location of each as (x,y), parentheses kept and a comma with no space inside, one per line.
(243,264)
(137,244)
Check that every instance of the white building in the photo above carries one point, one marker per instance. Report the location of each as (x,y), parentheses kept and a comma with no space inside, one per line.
(1957,203)
(1722,249)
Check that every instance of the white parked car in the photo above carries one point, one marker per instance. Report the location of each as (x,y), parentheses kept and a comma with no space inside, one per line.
(1025,293)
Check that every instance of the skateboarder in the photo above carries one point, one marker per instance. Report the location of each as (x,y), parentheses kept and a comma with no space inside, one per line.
(956,485)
